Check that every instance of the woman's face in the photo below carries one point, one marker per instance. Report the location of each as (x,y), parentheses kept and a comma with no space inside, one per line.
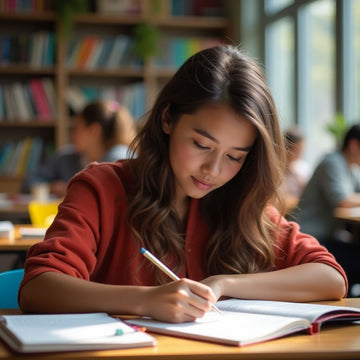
(207,149)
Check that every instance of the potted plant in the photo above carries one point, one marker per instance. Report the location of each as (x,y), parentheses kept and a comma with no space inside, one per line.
(338,129)
(66,11)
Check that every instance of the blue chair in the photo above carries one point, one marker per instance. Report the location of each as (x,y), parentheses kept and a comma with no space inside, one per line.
(9,287)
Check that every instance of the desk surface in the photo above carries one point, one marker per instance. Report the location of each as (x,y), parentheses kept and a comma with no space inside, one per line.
(18,243)
(348,214)
(333,342)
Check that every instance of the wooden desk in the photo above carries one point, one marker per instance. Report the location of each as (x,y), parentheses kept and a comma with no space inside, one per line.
(351,215)
(18,244)
(333,342)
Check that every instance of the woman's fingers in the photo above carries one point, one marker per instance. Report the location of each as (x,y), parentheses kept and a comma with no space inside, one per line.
(180,301)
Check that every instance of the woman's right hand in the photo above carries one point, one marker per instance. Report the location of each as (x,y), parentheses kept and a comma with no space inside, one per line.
(178,301)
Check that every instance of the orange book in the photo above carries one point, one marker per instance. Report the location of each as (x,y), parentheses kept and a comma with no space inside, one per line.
(86,48)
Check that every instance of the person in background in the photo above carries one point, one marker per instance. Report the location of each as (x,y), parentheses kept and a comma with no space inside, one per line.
(102,132)
(298,171)
(334,183)
(199,196)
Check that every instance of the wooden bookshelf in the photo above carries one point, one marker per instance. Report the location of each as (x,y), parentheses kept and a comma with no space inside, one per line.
(152,76)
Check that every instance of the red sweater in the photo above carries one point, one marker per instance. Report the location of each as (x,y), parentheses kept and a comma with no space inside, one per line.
(90,238)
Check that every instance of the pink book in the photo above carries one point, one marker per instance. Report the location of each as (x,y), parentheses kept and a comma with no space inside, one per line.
(42,105)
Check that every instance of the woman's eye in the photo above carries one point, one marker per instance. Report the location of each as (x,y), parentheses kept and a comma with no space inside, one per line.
(200,146)
(234,158)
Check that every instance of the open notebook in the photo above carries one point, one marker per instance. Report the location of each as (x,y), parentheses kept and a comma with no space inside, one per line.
(47,333)
(247,322)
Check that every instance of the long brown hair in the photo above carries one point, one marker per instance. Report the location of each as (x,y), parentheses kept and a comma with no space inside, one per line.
(242,234)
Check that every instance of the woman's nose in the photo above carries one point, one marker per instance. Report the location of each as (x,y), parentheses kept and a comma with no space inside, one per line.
(212,165)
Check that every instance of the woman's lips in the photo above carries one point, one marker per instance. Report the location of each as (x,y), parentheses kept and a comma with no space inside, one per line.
(203,185)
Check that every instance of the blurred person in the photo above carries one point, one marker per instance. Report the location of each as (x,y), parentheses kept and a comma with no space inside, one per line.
(102,132)
(298,171)
(334,183)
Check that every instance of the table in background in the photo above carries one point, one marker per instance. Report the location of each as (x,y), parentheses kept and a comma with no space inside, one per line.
(348,214)
(337,341)
(351,218)
(18,245)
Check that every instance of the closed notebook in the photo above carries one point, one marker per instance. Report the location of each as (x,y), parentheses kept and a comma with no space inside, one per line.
(247,322)
(65,332)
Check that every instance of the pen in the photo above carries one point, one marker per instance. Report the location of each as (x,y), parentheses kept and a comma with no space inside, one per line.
(166,270)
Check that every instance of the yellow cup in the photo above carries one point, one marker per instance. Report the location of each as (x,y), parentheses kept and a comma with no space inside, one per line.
(42,214)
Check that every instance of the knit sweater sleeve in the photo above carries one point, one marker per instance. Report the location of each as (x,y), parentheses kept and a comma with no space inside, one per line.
(89,222)
(292,247)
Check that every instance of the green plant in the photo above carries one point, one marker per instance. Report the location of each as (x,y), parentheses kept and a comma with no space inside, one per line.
(146,38)
(338,128)
(66,11)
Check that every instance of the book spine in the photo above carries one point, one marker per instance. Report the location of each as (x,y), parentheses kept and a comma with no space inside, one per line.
(38,94)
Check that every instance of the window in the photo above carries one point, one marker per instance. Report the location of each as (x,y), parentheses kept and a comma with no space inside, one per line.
(280,65)
(272,6)
(316,57)
(351,41)
(312,63)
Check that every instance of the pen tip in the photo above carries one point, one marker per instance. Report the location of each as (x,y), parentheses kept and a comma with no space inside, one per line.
(142,250)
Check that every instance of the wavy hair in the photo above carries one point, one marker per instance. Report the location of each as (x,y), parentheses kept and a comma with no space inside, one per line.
(242,234)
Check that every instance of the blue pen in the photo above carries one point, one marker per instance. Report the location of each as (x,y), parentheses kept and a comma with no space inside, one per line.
(166,270)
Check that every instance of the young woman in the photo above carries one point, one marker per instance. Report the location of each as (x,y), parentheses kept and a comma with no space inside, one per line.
(199,196)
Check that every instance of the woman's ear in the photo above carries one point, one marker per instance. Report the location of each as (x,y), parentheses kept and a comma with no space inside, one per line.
(165,121)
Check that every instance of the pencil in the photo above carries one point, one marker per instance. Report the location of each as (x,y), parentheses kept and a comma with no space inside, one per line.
(166,270)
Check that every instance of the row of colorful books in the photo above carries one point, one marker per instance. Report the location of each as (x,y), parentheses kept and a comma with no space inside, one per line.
(189,7)
(131,96)
(25,5)
(119,7)
(162,7)
(92,52)
(36,49)
(22,157)
(175,51)
(24,102)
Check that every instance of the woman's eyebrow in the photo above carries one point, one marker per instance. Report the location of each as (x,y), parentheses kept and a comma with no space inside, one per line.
(209,136)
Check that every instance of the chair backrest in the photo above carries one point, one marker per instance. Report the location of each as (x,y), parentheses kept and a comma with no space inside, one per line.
(9,287)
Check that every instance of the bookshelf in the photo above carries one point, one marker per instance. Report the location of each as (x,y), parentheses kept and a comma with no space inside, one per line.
(129,80)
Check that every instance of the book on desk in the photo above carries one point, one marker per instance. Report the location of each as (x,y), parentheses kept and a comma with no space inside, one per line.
(246,322)
(70,332)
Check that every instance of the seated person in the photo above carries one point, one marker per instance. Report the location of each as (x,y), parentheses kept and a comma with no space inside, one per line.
(193,196)
(334,183)
(298,171)
(102,132)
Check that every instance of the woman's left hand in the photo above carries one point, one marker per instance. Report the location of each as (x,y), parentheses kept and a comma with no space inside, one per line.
(215,283)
